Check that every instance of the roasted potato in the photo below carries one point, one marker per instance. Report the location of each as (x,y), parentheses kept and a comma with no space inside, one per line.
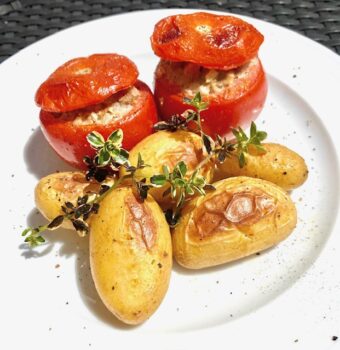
(130,255)
(279,165)
(241,217)
(54,190)
(169,148)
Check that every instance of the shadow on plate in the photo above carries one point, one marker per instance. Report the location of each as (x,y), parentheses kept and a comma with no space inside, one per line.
(72,245)
(40,158)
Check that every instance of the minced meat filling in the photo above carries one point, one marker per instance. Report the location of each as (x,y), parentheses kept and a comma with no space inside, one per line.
(193,78)
(112,108)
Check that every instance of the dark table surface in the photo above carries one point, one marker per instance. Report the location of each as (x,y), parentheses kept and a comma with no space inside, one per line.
(23,22)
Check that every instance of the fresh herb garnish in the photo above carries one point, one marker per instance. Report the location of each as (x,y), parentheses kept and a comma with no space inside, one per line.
(140,186)
(181,187)
(110,156)
(176,122)
(243,142)
(77,213)
(221,148)
(80,212)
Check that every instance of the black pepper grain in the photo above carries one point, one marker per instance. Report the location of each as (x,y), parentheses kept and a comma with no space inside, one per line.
(334,338)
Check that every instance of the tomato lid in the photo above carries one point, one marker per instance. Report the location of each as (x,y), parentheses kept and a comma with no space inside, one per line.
(84,81)
(212,41)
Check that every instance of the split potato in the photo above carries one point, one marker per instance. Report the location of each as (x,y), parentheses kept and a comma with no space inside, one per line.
(130,255)
(279,165)
(169,148)
(241,217)
(54,190)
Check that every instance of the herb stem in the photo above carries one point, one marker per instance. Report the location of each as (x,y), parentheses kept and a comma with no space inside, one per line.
(114,186)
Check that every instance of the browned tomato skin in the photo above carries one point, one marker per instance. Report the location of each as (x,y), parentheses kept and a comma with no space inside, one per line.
(222,114)
(213,41)
(69,140)
(85,81)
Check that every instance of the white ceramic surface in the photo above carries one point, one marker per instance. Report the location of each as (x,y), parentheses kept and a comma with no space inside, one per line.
(286,298)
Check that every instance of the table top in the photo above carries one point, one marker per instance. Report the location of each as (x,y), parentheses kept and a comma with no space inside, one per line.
(23,22)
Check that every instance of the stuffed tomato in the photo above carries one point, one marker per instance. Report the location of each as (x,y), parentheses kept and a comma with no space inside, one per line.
(216,56)
(96,93)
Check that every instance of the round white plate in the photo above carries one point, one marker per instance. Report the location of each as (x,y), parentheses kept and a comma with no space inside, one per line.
(285,298)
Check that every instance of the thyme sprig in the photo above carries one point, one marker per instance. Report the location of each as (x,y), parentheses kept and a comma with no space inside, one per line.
(221,147)
(85,206)
(176,122)
(110,151)
(110,155)
(140,186)
(77,213)
(243,142)
(181,187)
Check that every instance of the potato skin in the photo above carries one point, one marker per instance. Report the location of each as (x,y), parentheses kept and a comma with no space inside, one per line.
(169,148)
(279,165)
(130,264)
(55,189)
(229,241)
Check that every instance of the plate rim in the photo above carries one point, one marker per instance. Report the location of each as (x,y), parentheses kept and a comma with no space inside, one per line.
(318,46)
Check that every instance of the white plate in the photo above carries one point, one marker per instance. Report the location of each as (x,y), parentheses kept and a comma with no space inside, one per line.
(288,297)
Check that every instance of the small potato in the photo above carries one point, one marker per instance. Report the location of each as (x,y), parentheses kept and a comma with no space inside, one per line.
(169,148)
(241,217)
(54,190)
(279,165)
(130,255)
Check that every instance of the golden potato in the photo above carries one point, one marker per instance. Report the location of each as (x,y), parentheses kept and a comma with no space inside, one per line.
(279,165)
(169,148)
(54,190)
(243,216)
(130,255)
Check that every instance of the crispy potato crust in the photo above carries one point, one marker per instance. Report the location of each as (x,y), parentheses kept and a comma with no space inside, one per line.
(168,148)
(54,190)
(243,216)
(279,165)
(130,255)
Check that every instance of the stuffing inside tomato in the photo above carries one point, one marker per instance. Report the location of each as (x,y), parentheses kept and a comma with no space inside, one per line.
(213,41)
(132,110)
(215,55)
(235,96)
(96,93)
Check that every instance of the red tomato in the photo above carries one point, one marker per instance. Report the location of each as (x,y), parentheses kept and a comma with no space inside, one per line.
(236,105)
(212,41)
(68,139)
(85,81)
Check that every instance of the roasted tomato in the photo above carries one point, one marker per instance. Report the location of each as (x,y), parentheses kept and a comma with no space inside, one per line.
(235,97)
(133,110)
(85,81)
(213,41)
